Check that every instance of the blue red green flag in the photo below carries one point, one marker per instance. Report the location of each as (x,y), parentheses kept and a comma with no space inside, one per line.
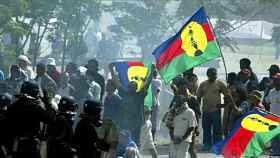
(250,135)
(137,71)
(193,45)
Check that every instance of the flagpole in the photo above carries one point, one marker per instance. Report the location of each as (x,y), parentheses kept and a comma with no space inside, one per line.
(222,55)
(223,58)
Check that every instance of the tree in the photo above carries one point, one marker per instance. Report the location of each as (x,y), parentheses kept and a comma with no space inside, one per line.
(40,13)
(145,21)
(73,19)
(12,23)
(25,20)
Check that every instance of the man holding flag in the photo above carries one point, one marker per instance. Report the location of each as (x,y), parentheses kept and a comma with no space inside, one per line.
(132,82)
(194,44)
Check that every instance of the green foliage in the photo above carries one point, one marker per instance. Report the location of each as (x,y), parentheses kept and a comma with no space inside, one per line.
(73,18)
(145,20)
(141,20)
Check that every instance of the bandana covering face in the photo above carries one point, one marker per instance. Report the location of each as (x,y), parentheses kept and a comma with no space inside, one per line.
(170,115)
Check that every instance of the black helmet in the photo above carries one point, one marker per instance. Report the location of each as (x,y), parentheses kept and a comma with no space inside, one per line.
(67,105)
(5,99)
(92,107)
(30,88)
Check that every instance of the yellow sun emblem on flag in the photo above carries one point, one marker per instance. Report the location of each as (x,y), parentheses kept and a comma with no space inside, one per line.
(194,39)
(258,123)
(137,74)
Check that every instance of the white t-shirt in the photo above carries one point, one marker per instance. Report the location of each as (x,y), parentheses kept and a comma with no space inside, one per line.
(95,91)
(156,85)
(183,122)
(274,99)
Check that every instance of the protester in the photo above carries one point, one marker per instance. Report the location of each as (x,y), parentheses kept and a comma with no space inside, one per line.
(273,102)
(254,100)
(65,88)
(93,67)
(210,92)
(156,89)
(232,85)
(146,137)
(191,81)
(3,85)
(45,82)
(79,82)
(112,103)
(2,76)
(180,87)
(181,123)
(24,63)
(94,87)
(52,71)
(86,139)
(127,148)
(14,82)
(25,117)
(266,84)
(132,105)
(60,142)
(236,104)
(72,69)
(246,76)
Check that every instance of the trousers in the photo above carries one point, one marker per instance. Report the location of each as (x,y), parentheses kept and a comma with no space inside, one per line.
(179,150)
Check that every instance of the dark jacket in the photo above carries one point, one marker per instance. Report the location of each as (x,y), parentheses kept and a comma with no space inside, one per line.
(4,136)
(85,139)
(61,138)
(25,117)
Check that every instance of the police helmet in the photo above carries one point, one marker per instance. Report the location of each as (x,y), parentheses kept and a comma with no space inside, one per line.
(67,105)
(30,88)
(92,107)
(5,99)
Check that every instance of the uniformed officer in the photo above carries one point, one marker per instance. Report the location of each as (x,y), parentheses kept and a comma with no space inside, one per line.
(86,138)
(61,135)
(5,101)
(25,116)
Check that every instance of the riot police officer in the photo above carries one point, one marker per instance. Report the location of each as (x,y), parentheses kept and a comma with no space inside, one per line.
(5,101)
(61,135)
(86,139)
(25,117)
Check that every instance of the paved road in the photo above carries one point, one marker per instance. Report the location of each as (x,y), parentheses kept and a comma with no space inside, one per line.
(200,155)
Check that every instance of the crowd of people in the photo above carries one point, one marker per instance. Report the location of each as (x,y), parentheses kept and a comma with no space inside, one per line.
(84,114)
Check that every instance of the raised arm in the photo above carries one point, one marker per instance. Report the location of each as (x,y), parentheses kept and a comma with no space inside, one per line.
(115,79)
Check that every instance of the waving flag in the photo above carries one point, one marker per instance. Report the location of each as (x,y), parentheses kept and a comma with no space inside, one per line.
(250,135)
(193,45)
(131,71)
(135,71)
